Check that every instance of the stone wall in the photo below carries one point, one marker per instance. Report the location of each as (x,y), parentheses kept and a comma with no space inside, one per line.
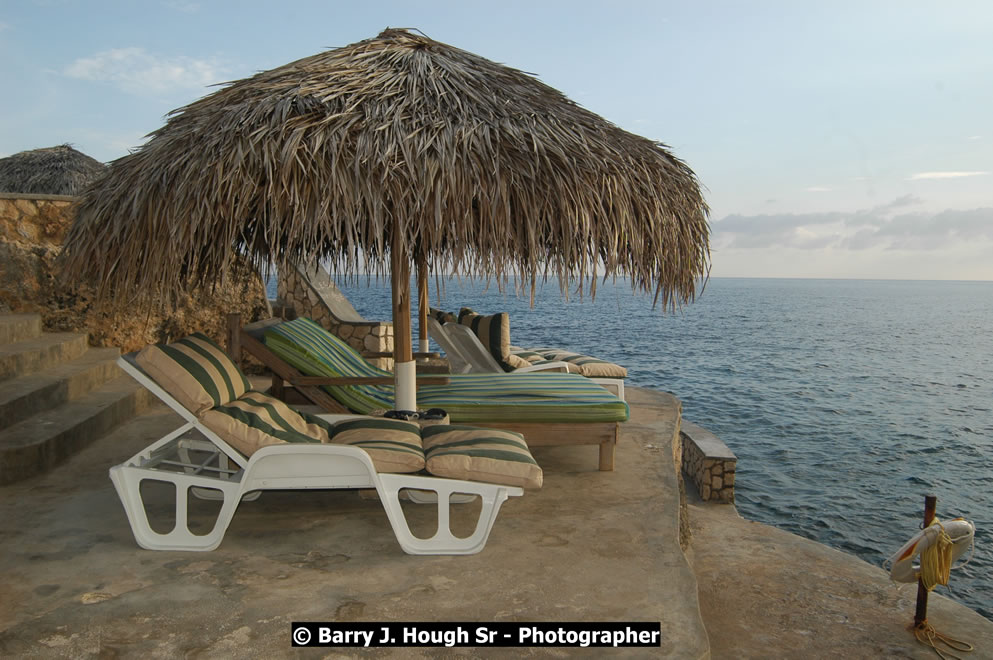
(299,295)
(708,463)
(32,230)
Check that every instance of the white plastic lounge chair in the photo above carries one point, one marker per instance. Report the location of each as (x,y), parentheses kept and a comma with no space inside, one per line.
(482,361)
(457,361)
(213,469)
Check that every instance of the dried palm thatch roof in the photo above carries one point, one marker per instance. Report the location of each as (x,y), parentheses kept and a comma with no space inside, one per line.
(396,144)
(59,170)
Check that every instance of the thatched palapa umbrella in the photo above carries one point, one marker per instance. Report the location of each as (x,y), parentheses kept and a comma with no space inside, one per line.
(60,170)
(382,152)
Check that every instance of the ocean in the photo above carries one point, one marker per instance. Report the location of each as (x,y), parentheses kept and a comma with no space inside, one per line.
(846,401)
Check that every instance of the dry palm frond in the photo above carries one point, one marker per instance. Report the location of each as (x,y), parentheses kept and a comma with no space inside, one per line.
(484,170)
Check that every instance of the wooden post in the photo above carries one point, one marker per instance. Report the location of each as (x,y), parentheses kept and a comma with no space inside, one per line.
(234,337)
(405,394)
(920,614)
(422,302)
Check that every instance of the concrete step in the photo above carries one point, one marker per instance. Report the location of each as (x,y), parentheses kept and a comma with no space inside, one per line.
(32,355)
(18,327)
(37,444)
(43,390)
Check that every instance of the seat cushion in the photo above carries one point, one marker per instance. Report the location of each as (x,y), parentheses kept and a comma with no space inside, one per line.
(393,445)
(493,332)
(535,359)
(256,420)
(586,365)
(195,371)
(479,454)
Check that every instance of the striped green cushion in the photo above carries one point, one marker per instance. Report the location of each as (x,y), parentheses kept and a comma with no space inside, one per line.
(544,397)
(529,397)
(392,444)
(315,352)
(256,420)
(494,333)
(195,371)
(474,454)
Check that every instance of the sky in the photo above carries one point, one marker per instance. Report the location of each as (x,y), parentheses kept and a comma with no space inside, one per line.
(834,139)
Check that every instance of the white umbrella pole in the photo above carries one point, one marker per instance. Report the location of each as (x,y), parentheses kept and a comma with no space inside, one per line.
(404,369)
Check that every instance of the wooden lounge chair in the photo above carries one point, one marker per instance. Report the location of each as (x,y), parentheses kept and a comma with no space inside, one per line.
(548,409)
(211,468)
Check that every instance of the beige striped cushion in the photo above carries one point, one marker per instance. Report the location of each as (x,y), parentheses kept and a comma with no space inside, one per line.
(442,316)
(476,454)
(494,334)
(588,366)
(393,444)
(516,361)
(195,371)
(256,420)
(537,359)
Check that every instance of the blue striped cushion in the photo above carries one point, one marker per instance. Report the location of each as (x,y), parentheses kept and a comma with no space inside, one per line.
(544,397)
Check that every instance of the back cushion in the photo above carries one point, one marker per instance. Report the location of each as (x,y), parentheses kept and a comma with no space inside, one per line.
(256,420)
(195,371)
(494,333)
(442,316)
(477,454)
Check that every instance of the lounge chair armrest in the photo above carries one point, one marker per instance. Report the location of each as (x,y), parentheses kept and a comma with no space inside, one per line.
(380,354)
(560,367)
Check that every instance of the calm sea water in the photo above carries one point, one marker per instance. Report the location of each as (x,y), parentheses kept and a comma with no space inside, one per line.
(845,401)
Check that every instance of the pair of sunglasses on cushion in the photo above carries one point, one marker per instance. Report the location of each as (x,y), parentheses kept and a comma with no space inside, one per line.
(410,415)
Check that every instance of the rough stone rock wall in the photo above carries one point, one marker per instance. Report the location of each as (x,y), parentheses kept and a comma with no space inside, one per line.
(708,463)
(299,297)
(32,229)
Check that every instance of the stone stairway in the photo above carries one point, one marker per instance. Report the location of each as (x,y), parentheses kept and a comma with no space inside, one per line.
(56,396)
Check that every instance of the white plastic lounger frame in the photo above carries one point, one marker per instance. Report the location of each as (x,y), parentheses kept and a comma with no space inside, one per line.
(482,361)
(456,360)
(192,463)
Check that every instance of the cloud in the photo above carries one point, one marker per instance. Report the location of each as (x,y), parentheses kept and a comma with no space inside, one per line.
(818,189)
(943,175)
(138,72)
(4,26)
(975,137)
(886,227)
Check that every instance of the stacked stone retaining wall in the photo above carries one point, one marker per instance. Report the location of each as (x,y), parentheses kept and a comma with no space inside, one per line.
(299,295)
(708,463)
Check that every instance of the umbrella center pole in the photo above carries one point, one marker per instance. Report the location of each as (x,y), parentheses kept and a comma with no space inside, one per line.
(422,303)
(404,369)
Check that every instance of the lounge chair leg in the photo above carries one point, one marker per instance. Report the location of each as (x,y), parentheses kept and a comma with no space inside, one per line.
(127,480)
(607,455)
(443,542)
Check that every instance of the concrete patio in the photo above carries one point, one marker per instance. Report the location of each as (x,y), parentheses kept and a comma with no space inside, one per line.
(589,546)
